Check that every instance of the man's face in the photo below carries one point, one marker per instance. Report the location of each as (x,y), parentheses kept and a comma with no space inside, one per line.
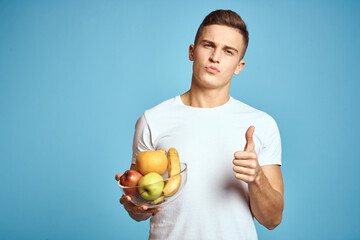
(216,56)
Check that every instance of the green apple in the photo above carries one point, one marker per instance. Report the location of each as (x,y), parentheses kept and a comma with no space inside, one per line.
(151,186)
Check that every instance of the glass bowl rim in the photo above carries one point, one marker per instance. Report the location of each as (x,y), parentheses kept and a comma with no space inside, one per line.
(134,187)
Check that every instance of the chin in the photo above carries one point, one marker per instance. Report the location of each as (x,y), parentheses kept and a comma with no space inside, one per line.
(209,83)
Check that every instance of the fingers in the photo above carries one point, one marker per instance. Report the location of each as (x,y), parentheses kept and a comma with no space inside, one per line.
(118,176)
(249,146)
(246,166)
(245,163)
(154,211)
(245,178)
(241,155)
(137,209)
(244,170)
(129,206)
(125,199)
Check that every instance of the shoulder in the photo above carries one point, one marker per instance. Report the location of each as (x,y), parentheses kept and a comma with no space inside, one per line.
(163,109)
(264,121)
(243,108)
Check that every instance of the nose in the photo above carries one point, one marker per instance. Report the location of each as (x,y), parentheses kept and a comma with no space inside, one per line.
(215,56)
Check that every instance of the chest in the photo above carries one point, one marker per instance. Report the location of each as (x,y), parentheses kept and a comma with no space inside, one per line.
(208,149)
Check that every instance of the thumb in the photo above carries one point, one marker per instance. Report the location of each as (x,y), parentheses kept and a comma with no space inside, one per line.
(118,176)
(250,145)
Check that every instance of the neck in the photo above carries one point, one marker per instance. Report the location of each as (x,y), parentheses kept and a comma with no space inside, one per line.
(209,98)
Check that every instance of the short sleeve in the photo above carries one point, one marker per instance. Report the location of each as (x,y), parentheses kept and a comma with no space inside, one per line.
(142,138)
(270,152)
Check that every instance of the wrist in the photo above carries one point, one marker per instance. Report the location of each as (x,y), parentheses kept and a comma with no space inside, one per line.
(259,178)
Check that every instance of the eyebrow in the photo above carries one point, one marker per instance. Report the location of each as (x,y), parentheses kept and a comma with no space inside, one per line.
(227,47)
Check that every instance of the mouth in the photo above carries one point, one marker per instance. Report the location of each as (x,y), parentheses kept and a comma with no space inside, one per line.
(212,69)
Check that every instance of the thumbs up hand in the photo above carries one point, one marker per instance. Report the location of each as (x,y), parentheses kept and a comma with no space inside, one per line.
(246,165)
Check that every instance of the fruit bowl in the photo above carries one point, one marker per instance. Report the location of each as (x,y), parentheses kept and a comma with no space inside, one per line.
(149,194)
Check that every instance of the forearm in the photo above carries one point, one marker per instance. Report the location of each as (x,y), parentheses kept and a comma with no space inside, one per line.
(266,203)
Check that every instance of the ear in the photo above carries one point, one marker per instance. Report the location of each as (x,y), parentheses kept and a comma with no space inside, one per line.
(239,67)
(191,52)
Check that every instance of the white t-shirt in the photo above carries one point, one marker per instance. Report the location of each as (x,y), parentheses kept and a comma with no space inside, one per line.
(213,204)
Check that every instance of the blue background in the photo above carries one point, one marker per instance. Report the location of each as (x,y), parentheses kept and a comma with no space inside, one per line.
(76,75)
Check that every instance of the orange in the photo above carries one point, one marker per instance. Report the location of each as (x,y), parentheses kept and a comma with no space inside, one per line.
(152,161)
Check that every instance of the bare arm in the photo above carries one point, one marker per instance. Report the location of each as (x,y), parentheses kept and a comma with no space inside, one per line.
(265,184)
(266,196)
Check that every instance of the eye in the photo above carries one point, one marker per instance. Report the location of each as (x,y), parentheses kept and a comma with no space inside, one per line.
(207,45)
(229,52)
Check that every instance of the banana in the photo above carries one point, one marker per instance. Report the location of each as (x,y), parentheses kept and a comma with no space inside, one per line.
(158,200)
(174,167)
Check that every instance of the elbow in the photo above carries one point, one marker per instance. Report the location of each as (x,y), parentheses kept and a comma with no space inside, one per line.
(272,225)
(275,221)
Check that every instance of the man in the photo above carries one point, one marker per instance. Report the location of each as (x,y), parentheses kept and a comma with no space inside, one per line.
(231,177)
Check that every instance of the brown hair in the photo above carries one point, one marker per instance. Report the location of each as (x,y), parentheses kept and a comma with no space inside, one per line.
(227,18)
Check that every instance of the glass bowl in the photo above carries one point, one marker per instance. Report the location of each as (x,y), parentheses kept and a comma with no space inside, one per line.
(136,196)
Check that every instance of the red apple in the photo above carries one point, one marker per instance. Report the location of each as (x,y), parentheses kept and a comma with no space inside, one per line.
(130,179)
